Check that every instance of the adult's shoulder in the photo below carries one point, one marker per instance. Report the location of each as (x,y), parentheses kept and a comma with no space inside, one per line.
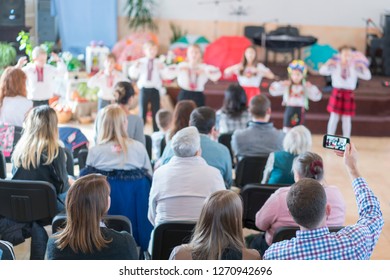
(181,252)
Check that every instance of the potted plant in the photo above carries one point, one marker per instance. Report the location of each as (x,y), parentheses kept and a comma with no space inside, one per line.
(140,14)
(7,55)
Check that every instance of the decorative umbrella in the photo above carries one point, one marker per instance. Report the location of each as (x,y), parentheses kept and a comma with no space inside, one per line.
(131,47)
(226,51)
(184,41)
(316,55)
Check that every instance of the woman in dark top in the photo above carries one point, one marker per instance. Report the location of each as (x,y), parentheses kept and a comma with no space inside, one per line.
(218,233)
(38,154)
(85,237)
(234,112)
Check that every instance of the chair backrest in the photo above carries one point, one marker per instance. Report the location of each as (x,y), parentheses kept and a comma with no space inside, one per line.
(167,236)
(250,170)
(3,166)
(286,233)
(163,144)
(253,31)
(148,145)
(254,196)
(27,201)
(225,139)
(69,162)
(115,222)
(82,158)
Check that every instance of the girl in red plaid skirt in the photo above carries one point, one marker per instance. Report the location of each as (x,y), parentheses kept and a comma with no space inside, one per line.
(345,69)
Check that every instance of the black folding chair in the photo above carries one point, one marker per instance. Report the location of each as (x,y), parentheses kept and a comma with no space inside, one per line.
(82,158)
(3,166)
(225,139)
(148,145)
(254,196)
(250,170)
(28,201)
(286,233)
(167,236)
(115,222)
(69,162)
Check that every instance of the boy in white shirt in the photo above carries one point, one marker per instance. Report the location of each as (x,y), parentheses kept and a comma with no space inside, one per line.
(148,73)
(41,77)
(105,80)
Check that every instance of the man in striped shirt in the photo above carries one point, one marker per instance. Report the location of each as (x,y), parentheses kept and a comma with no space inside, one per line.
(306,202)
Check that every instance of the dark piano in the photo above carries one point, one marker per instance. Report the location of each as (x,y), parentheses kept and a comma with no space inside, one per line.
(283,43)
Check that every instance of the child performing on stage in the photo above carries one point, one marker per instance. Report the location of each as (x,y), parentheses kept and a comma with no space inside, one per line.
(41,77)
(148,71)
(345,69)
(105,80)
(250,73)
(296,94)
(192,75)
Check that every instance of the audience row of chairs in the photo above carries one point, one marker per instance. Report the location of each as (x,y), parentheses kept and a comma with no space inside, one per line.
(28,201)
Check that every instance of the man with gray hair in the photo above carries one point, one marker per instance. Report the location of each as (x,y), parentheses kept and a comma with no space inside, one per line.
(41,77)
(180,187)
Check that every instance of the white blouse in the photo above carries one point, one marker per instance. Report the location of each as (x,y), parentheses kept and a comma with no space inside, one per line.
(354,73)
(193,79)
(14,110)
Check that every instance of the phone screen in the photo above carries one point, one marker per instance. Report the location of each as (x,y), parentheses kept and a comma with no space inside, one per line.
(335,142)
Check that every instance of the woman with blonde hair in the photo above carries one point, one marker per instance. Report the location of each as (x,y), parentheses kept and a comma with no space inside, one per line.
(38,154)
(127,166)
(278,168)
(14,104)
(114,149)
(85,235)
(218,233)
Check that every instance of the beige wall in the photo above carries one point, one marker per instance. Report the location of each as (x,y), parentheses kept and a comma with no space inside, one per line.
(333,35)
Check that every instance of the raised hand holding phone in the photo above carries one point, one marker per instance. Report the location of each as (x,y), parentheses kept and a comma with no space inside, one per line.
(334,142)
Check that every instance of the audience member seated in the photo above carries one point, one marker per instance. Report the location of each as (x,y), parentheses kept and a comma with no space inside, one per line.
(275,214)
(181,117)
(85,237)
(218,233)
(14,104)
(215,154)
(233,114)
(260,137)
(124,96)
(279,164)
(114,149)
(38,154)
(163,120)
(307,202)
(180,187)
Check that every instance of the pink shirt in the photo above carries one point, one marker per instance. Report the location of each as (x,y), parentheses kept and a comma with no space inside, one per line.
(274,213)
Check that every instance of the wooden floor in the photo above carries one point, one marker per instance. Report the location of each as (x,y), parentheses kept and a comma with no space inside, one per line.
(374,163)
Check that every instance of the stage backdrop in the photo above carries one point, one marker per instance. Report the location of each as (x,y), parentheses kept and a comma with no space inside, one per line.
(81,22)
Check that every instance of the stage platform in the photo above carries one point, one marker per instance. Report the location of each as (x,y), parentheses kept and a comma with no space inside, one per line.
(372,105)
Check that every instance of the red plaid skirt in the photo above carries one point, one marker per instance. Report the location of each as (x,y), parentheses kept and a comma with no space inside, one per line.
(342,102)
(250,92)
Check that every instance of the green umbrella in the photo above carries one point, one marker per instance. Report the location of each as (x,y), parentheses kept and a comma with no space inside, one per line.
(185,41)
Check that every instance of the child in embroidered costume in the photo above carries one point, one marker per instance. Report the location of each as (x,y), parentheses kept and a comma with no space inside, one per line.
(249,73)
(296,94)
(345,69)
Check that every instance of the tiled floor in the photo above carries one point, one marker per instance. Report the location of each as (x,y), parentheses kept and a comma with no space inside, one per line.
(374,163)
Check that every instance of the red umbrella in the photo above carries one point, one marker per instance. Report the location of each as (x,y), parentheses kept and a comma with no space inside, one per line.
(226,51)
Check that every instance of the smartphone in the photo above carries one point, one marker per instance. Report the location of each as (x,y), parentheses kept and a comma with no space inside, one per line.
(335,142)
